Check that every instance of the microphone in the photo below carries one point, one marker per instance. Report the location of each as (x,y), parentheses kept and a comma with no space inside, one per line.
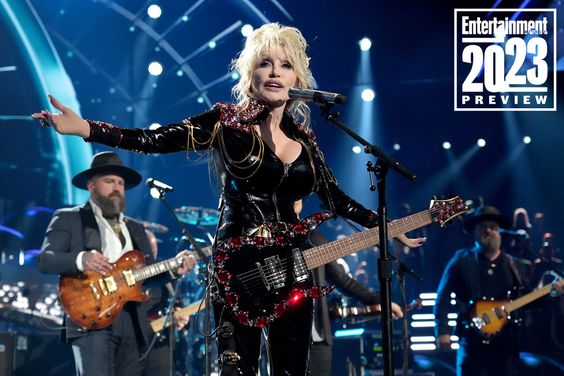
(317,96)
(159,185)
(518,233)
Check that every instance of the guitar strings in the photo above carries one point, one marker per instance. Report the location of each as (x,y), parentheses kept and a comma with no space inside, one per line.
(248,278)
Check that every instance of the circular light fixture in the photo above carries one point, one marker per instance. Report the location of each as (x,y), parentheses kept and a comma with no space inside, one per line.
(481,142)
(154,11)
(365,44)
(446,145)
(368,95)
(155,68)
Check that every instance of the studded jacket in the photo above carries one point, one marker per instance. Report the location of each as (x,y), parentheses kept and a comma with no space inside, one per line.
(258,189)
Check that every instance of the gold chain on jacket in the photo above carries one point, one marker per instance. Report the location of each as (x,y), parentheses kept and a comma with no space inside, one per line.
(192,143)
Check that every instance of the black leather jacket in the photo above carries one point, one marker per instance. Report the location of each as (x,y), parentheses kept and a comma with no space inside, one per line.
(257,188)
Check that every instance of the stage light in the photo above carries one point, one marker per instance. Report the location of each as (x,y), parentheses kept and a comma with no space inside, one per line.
(155,68)
(527,140)
(185,18)
(154,192)
(428,295)
(132,28)
(235,76)
(481,142)
(212,44)
(446,145)
(129,109)
(365,44)
(367,95)
(349,332)
(180,73)
(356,149)
(154,11)
(397,147)
(154,126)
(200,100)
(247,30)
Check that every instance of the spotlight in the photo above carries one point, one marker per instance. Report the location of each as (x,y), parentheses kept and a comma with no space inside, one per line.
(365,44)
(235,76)
(356,149)
(527,140)
(367,95)
(154,126)
(481,142)
(180,73)
(154,11)
(212,44)
(446,145)
(200,100)
(155,68)
(184,18)
(247,30)
(397,146)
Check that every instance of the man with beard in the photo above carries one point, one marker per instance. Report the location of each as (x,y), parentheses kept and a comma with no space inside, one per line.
(482,272)
(90,238)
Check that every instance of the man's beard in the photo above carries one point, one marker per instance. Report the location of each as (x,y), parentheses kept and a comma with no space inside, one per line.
(111,206)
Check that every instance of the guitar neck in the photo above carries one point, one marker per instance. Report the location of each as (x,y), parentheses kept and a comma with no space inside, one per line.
(526,299)
(156,268)
(159,324)
(317,256)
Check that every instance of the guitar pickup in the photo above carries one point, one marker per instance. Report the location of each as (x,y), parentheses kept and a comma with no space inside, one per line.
(300,270)
(94,291)
(129,278)
(103,286)
(110,284)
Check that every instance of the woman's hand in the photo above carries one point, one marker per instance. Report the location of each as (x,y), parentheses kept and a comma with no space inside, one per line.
(411,243)
(68,122)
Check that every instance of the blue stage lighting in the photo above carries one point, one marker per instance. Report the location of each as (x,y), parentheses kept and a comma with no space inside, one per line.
(446,145)
(212,44)
(397,147)
(356,149)
(527,140)
(481,142)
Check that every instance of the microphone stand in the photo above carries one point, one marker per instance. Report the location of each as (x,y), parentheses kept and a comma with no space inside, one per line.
(204,270)
(383,164)
(402,270)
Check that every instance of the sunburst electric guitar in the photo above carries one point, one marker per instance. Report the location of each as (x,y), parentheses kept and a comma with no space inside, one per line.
(489,317)
(93,300)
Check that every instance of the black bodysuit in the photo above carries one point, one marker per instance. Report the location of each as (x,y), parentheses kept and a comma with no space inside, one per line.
(258,189)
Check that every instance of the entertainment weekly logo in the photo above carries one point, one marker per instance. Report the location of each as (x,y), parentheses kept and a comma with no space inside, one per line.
(504,60)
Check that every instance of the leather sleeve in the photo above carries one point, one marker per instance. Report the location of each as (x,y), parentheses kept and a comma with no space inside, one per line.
(195,133)
(348,285)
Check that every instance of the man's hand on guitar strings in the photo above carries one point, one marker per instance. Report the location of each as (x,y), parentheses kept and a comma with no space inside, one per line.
(96,261)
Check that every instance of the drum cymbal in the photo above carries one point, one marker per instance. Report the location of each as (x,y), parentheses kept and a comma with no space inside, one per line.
(155,227)
(195,215)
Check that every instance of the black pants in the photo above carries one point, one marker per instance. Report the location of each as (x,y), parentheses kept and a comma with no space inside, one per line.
(320,358)
(288,342)
(113,351)
(484,360)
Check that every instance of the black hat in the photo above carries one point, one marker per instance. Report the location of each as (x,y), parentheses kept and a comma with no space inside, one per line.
(107,162)
(485,213)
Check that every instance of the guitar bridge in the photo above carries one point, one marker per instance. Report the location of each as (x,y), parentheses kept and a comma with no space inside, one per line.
(300,270)
(272,273)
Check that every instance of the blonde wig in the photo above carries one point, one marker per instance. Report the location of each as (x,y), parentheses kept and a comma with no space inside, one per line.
(262,42)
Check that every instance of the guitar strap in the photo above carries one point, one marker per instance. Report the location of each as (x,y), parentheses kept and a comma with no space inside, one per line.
(515,271)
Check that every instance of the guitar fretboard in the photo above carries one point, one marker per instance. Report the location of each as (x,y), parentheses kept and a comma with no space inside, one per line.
(156,268)
(317,256)
(526,299)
